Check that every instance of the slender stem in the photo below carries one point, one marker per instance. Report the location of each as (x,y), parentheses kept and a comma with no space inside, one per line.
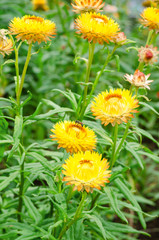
(122,141)
(112,161)
(90,59)
(24,73)
(21,185)
(62,20)
(76,216)
(101,72)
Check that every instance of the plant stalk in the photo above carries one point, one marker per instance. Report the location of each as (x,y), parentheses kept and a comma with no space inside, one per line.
(90,59)
(76,216)
(113,158)
(19,89)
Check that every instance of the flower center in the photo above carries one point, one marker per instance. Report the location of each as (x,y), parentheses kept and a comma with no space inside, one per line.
(86,164)
(139,77)
(76,129)
(34,18)
(112,96)
(99,19)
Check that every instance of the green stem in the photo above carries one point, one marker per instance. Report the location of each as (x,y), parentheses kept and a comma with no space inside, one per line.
(76,216)
(121,142)
(113,158)
(23,74)
(21,185)
(101,72)
(90,59)
(62,20)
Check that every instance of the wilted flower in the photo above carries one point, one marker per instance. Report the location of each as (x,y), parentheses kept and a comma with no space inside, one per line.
(40,5)
(96,27)
(148,54)
(81,6)
(115,106)
(139,79)
(120,39)
(73,136)
(86,171)
(32,29)
(150,18)
(6,45)
(149,3)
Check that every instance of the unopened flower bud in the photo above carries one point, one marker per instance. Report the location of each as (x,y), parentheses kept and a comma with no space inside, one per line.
(148,54)
(139,79)
(120,39)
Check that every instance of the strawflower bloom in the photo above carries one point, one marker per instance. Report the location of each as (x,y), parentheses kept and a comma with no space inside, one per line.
(96,27)
(139,79)
(73,136)
(32,29)
(40,5)
(148,54)
(81,6)
(86,171)
(150,18)
(115,106)
(6,45)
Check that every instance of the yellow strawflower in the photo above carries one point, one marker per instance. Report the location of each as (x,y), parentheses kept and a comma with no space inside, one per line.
(150,18)
(96,27)
(32,29)
(73,136)
(86,171)
(40,5)
(81,6)
(115,106)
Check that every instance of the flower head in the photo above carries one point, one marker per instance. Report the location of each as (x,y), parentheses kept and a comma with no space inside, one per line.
(96,27)
(74,136)
(148,54)
(86,171)
(115,106)
(139,79)
(6,45)
(81,6)
(120,39)
(40,5)
(150,18)
(32,29)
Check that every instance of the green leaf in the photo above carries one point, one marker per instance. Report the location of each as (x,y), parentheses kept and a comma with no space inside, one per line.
(149,106)
(147,134)
(44,162)
(18,127)
(114,203)
(128,195)
(7,180)
(135,154)
(32,210)
(150,155)
(98,222)
(70,96)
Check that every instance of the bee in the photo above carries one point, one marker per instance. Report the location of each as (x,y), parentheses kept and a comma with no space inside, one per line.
(79,122)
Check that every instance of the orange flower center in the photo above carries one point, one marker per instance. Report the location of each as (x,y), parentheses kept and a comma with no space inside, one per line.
(76,128)
(99,19)
(113,95)
(34,18)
